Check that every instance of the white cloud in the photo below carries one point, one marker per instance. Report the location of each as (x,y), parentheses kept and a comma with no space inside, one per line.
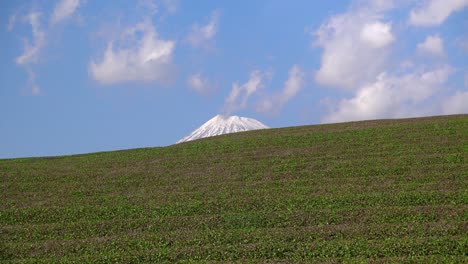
(465,79)
(433,45)
(139,56)
(11,22)
(380,5)
(32,49)
(434,12)
(63,10)
(462,43)
(391,97)
(239,95)
(163,7)
(456,104)
(170,5)
(150,5)
(200,84)
(355,47)
(291,87)
(201,35)
(35,89)
(294,83)
(406,65)
(377,34)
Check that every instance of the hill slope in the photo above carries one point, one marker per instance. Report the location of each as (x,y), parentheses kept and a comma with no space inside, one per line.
(389,190)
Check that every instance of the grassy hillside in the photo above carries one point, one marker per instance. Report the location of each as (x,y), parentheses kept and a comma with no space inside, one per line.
(379,191)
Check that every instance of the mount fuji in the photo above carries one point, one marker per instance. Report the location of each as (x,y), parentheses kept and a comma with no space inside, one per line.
(220,125)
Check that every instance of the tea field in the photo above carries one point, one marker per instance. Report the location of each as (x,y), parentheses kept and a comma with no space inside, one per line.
(373,191)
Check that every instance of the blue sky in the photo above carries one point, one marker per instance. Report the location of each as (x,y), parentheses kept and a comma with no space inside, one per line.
(83,76)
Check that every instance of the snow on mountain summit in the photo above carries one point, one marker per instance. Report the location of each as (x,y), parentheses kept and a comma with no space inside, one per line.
(220,125)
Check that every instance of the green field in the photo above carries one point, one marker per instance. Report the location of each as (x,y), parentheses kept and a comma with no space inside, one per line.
(373,191)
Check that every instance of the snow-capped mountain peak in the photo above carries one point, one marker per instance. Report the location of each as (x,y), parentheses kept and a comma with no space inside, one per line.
(220,124)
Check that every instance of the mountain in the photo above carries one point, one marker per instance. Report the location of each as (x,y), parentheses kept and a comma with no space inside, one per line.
(220,125)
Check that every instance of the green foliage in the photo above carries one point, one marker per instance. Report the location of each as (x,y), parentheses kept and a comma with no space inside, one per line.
(377,191)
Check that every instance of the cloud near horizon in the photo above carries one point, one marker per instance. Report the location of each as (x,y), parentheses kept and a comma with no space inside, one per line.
(352,41)
(456,104)
(391,96)
(239,95)
(357,46)
(273,103)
